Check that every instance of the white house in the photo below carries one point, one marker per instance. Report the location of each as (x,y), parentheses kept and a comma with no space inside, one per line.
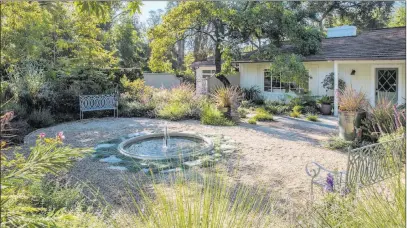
(373,62)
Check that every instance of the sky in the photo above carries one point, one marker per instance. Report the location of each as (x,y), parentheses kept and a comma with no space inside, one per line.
(151,5)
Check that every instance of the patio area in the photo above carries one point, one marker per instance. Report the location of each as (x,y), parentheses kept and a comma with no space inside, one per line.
(271,154)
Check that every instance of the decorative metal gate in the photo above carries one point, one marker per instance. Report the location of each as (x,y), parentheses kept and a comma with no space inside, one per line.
(386,86)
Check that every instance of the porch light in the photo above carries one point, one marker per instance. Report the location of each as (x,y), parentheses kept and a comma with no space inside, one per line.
(353,72)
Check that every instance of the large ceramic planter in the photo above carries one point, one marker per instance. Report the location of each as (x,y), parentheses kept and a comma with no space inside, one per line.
(348,122)
(325,109)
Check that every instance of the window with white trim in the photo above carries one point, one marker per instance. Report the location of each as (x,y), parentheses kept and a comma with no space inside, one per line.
(274,84)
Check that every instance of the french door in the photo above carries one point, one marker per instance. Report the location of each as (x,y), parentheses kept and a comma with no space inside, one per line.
(386,83)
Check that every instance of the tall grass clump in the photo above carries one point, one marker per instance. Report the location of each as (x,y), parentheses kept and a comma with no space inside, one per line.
(212,116)
(205,201)
(311,117)
(385,117)
(351,101)
(228,98)
(177,103)
(263,115)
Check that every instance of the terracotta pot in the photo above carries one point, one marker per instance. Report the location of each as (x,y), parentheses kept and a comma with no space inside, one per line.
(326,109)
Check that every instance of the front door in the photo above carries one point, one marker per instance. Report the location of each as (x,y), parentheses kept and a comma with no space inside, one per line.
(386,85)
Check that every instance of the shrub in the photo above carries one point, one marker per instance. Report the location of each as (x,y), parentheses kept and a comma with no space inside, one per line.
(352,101)
(242,112)
(48,156)
(229,98)
(325,100)
(381,205)
(328,82)
(262,115)
(337,143)
(252,121)
(384,118)
(178,103)
(311,117)
(212,116)
(295,114)
(310,109)
(135,109)
(40,118)
(252,94)
(297,108)
(174,111)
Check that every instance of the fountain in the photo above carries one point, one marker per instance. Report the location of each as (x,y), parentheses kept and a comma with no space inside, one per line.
(166,145)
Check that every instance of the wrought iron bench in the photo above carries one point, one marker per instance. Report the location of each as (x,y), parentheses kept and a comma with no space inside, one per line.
(366,166)
(89,103)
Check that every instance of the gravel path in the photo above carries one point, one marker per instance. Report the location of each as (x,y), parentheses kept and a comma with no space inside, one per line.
(272,154)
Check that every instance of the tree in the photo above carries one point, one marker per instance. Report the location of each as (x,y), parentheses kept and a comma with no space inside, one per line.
(399,17)
(186,20)
(363,14)
(289,68)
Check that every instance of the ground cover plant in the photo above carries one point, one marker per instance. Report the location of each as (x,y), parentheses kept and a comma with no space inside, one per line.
(262,115)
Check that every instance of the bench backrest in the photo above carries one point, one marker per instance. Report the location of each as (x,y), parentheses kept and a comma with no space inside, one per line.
(373,163)
(98,102)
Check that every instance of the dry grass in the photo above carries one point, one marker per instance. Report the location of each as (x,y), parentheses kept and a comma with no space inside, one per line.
(350,100)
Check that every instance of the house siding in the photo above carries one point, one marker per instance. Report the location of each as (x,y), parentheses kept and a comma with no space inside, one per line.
(251,74)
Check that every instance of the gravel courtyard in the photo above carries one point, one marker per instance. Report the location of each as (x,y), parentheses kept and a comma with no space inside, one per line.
(270,154)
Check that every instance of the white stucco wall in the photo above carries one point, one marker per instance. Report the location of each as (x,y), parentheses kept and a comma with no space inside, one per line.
(213,82)
(159,80)
(251,74)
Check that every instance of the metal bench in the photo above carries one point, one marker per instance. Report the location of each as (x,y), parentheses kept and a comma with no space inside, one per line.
(89,103)
(366,166)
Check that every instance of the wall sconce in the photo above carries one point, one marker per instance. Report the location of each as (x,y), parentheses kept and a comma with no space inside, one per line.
(353,72)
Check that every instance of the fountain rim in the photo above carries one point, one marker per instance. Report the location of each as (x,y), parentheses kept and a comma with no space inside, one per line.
(186,153)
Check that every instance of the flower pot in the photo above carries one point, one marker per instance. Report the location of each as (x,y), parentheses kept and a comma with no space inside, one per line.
(326,109)
(348,123)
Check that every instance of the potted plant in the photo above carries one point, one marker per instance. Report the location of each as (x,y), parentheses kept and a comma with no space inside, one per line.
(325,103)
(351,110)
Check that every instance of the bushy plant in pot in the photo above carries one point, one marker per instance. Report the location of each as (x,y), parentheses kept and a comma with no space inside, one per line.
(352,106)
(325,103)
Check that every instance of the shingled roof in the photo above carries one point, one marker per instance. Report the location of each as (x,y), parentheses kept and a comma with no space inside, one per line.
(377,44)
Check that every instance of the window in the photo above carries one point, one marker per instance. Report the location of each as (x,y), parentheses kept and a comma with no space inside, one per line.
(274,84)
(267,80)
(208,73)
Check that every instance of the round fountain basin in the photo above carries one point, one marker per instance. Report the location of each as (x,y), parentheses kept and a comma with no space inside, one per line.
(151,147)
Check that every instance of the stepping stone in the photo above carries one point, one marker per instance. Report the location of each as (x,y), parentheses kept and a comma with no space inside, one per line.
(105,145)
(120,168)
(111,159)
(193,163)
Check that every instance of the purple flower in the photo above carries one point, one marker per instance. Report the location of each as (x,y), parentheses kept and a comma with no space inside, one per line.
(329,187)
(42,135)
(60,136)
(396,117)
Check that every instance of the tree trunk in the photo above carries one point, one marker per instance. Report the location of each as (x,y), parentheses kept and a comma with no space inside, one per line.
(218,57)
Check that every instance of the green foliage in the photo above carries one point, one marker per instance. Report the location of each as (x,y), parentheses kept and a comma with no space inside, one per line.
(298,108)
(212,116)
(253,94)
(311,117)
(210,201)
(242,112)
(399,17)
(178,103)
(262,115)
(372,208)
(329,80)
(325,100)
(337,143)
(40,118)
(48,156)
(295,114)
(228,98)
(252,120)
(290,69)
